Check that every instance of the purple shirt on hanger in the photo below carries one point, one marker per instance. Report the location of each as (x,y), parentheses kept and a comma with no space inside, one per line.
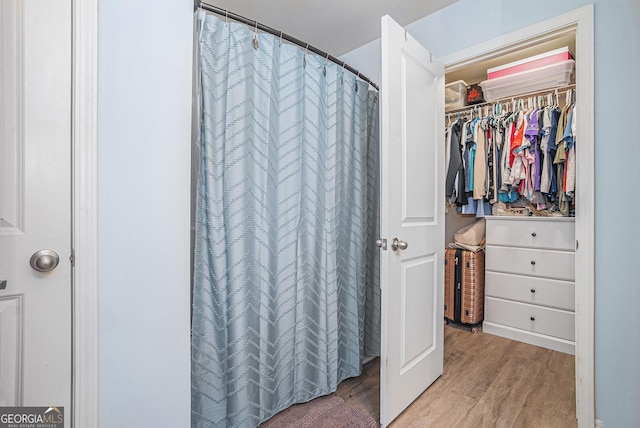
(531,133)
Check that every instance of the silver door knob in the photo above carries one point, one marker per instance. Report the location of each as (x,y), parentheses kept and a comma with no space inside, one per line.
(396,244)
(44,260)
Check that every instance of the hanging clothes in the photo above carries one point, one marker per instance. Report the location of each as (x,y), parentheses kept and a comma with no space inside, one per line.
(455,174)
(480,162)
(527,153)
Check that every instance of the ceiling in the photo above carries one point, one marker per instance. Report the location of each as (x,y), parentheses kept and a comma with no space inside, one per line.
(339,26)
(334,26)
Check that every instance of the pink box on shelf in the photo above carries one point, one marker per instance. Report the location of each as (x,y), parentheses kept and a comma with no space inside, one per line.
(533,62)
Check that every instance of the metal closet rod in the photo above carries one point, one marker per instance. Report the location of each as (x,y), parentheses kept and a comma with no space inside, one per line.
(553,91)
(284,36)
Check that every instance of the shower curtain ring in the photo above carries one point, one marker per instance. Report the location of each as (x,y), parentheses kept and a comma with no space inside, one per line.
(304,57)
(324,67)
(256,44)
(280,39)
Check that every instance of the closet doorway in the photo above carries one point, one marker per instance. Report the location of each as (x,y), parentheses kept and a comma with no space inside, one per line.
(576,25)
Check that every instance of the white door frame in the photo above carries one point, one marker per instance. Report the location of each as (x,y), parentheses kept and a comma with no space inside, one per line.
(84,196)
(580,20)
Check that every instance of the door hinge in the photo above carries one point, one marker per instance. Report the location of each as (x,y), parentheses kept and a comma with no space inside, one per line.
(72,258)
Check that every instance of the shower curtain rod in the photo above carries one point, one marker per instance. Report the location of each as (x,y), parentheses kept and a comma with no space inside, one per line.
(284,36)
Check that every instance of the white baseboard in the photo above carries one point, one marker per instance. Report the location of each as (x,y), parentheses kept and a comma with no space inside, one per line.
(530,337)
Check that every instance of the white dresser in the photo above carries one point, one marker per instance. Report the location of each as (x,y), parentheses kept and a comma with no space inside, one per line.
(529,282)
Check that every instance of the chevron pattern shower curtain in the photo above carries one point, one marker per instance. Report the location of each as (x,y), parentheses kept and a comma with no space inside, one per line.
(286,222)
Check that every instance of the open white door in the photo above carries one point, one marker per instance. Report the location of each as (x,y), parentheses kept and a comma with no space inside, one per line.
(412,211)
(35,206)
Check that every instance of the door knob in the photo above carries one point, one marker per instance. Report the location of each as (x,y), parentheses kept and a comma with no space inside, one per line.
(44,260)
(396,244)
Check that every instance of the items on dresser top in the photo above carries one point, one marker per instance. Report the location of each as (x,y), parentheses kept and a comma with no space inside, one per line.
(529,280)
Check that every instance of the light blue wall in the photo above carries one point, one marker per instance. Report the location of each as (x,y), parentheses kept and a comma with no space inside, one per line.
(144,107)
(144,103)
(617,113)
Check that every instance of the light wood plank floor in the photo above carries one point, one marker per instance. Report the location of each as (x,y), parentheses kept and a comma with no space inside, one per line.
(488,381)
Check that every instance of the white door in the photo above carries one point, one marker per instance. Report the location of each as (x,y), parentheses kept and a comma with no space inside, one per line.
(35,153)
(412,196)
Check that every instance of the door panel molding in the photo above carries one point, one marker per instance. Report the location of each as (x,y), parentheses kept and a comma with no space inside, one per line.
(11,364)
(417,343)
(11,118)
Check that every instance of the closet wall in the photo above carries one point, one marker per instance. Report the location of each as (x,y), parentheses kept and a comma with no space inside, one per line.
(470,22)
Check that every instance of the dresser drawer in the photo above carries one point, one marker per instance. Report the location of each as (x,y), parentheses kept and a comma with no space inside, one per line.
(545,233)
(529,289)
(524,261)
(538,319)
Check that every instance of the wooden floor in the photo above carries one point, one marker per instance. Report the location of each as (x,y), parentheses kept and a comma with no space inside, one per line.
(488,381)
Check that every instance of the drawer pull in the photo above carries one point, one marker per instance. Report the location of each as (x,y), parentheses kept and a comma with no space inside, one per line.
(533,234)
(532,318)
(533,290)
(533,262)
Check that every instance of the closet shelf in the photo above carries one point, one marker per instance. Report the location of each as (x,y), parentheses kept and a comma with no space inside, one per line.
(536,79)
